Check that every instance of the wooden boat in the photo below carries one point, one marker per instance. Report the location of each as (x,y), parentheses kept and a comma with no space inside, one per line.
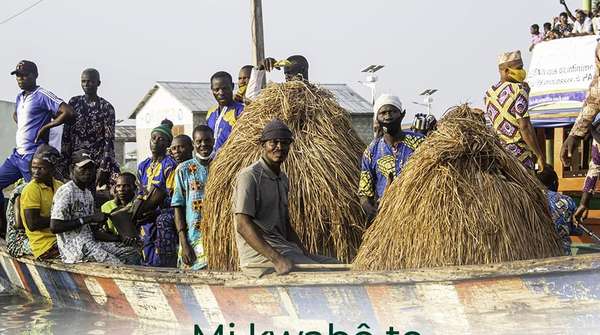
(548,293)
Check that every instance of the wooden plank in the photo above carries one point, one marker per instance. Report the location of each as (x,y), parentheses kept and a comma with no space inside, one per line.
(304,266)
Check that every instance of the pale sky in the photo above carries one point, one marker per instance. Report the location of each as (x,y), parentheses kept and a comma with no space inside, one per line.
(449,45)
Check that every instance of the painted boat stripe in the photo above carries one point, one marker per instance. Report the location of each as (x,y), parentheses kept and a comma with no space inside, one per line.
(11,272)
(116,302)
(37,280)
(176,302)
(147,300)
(208,304)
(25,276)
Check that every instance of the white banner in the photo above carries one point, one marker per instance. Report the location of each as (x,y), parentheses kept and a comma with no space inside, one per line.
(560,72)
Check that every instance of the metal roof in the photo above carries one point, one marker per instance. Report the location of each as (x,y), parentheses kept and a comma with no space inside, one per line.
(197,96)
(125,133)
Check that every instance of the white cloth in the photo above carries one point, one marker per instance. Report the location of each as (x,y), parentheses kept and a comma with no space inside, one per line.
(254,84)
(584,28)
(596,25)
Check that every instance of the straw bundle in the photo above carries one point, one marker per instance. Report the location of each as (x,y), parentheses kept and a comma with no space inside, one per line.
(322,166)
(461,199)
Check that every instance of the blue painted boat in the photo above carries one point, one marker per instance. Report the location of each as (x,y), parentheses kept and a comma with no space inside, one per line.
(555,294)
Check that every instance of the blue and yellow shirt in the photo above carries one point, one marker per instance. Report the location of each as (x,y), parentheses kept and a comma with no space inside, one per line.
(160,174)
(381,163)
(221,120)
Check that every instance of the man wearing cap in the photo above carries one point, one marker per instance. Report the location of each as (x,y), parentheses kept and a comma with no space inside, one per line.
(93,129)
(75,221)
(222,117)
(385,157)
(294,68)
(38,115)
(507,111)
(263,230)
(157,176)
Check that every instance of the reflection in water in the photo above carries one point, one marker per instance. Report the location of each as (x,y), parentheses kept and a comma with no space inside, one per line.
(19,315)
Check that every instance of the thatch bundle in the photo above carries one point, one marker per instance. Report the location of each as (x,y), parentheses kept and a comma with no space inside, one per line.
(323,167)
(461,199)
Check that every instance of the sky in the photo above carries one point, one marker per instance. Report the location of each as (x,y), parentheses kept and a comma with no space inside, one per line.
(449,45)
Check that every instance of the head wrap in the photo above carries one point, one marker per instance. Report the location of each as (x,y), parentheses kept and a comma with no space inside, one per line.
(165,129)
(386,99)
(276,130)
(47,153)
(510,57)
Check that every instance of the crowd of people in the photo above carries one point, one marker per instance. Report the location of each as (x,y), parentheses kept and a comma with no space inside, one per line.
(567,25)
(72,202)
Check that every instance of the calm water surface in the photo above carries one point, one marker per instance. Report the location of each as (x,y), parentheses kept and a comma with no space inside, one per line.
(19,315)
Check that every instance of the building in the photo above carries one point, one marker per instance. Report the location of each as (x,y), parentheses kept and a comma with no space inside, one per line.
(8,128)
(186,105)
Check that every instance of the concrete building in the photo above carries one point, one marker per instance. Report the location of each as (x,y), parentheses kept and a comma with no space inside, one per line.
(186,105)
(8,129)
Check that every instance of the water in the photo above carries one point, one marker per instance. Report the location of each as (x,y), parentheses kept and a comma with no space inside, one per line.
(19,315)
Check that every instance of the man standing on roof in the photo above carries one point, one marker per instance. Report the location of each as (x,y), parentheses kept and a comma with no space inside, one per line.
(92,130)
(385,157)
(294,68)
(38,115)
(222,117)
(507,110)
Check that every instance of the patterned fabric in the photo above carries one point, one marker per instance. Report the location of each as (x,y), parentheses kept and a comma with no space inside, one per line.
(562,208)
(16,239)
(79,245)
(93,130)
(190,180)
(591,178)
(564,28)
(381,163)
(159,237)
(505,104)
(591,105)
(223,124)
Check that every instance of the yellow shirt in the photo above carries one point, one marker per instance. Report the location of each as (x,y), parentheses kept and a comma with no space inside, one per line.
(39,196)
(107,208)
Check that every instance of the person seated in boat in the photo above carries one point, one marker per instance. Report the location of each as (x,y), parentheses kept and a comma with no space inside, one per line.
(562,207)
(36,202)
(17,243)
(156,217)
(75,222)
(263,230)
(124,193)
(385,157)
(190,180)
(294,68)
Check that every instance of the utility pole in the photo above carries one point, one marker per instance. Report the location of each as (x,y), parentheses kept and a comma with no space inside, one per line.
(587,5)
(258,45)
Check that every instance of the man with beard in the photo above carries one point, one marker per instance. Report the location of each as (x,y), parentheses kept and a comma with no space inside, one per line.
(73,215)
(190,180)
(39,115)
(263,230)
(222,117)
(385,157)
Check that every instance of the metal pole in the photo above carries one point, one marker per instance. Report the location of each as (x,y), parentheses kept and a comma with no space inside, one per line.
(587,5)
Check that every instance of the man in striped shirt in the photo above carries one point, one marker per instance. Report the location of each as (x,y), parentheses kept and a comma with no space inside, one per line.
(39,115)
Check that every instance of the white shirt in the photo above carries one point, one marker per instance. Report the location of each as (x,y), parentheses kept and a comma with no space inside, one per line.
(584,28)
(596,25)
(254,83)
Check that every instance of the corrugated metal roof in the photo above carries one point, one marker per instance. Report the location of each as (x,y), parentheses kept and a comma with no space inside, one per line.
(197,96)
(125,133)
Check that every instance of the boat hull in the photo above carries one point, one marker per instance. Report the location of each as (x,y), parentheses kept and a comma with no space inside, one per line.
(555,294)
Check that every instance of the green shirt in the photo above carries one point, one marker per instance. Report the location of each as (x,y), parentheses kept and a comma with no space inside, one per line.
(107,208)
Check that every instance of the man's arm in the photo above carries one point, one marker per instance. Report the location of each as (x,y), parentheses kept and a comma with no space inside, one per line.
(15,116)
(573,18)
(249,232)
(60,226)
(65,113)
(34,221)
(528,134)
(368,205)
(187,253)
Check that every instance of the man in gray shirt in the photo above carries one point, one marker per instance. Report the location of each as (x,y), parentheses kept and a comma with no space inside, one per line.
(263,230)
